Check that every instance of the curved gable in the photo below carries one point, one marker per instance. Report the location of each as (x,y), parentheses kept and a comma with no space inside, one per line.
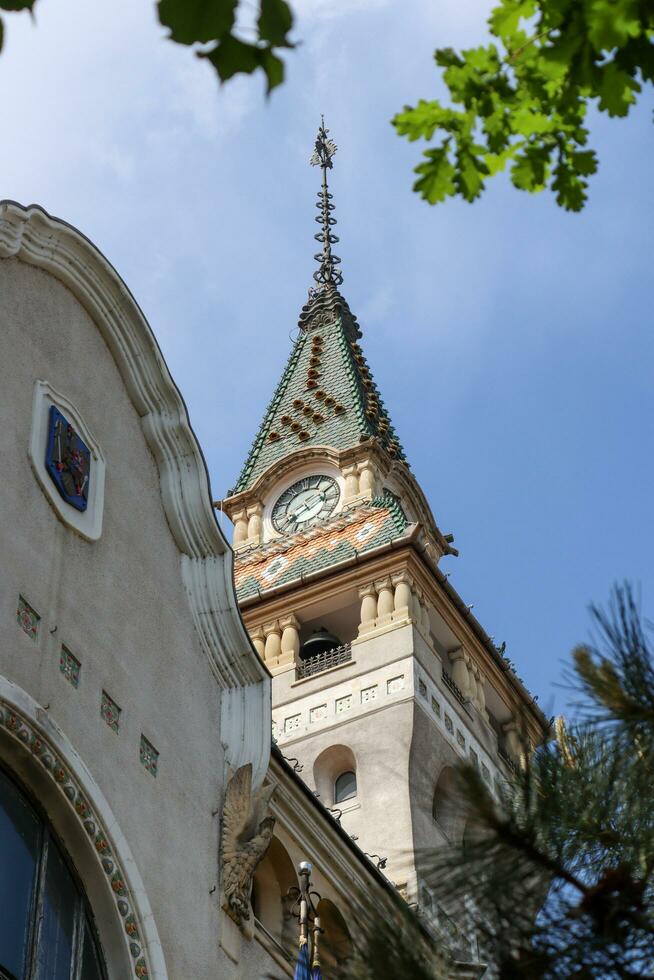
(35,238)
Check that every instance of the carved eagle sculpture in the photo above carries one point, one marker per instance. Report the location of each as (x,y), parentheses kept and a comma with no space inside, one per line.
(246,835)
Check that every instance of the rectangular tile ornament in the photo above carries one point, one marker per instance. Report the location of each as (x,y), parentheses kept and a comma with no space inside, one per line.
(395,684)
(28,619)
(149,756)
(69,666)
(318,713)
(110,711)
(343,704)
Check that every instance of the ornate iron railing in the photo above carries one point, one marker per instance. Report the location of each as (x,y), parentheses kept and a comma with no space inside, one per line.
(323,661)
(456,691)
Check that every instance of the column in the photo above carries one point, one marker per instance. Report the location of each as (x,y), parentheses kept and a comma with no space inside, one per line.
(402,599)
(366,478)
(424,617)
(255,524)
(290,642)
(512,740)
(259,640)
(273,646)
(472,681)
(368,596)
(351,482)
(385,601)
(481,693)
(460,674)
(240,528)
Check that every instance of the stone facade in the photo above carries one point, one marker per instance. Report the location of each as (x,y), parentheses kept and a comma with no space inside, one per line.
(130,692)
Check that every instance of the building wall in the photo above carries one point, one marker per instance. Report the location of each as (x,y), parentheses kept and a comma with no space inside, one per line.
(119,605)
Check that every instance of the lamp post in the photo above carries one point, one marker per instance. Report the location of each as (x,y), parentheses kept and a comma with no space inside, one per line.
(305,909)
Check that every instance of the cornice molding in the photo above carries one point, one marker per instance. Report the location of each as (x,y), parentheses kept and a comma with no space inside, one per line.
(37,239)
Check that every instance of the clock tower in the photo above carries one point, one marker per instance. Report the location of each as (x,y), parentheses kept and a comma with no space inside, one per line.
(382,678)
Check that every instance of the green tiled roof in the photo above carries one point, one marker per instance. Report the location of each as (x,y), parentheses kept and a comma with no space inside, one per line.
(326,396)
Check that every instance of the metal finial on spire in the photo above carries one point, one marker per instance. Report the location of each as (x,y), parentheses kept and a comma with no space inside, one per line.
(328,271)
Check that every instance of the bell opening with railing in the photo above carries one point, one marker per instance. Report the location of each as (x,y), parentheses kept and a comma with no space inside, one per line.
(322,651)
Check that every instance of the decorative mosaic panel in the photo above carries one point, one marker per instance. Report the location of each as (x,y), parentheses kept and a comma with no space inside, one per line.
(28,619)
(422,688)
(474,758)
(369,694)
(110,711)
(68,460)
(460,739)
(149,756)
(485,773)
(448,725)
(343,704)
(318,713)
(292,723)
(69,666)
(395,684)
(435,707)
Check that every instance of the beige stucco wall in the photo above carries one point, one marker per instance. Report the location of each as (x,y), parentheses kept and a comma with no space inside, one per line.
(120,606)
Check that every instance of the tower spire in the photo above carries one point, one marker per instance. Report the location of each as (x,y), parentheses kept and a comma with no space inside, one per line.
(327,272)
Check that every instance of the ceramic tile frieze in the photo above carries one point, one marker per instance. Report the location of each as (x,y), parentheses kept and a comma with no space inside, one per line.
(110,711)
(149,756)
(28,619)
(22,729)
(69,666)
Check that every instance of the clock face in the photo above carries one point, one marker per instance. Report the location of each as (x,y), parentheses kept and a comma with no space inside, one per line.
(306,502)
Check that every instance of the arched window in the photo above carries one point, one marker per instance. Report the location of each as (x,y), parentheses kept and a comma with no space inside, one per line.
(345,787)
(335,775)
(273,879)
(45,928)
(335,942)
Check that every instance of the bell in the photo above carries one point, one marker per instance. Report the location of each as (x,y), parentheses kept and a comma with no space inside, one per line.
(320,641)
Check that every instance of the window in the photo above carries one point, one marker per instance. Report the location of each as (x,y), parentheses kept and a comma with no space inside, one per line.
(345,787)
(45,930)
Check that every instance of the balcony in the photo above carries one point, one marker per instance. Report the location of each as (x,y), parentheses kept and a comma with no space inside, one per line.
(323,661)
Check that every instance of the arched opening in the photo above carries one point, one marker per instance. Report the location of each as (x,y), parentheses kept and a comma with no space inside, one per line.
(335,941)
(345,786)
(273,878)
(46,927)
(445,807)
(335,775)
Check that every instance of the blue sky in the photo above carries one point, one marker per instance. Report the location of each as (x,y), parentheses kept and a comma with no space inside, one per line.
(512,342)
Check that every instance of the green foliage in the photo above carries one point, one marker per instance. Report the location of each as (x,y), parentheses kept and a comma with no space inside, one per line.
(13,5)
(214,23)
(526,97)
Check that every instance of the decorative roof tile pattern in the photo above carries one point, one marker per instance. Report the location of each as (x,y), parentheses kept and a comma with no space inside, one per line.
(362,529)
(326,396)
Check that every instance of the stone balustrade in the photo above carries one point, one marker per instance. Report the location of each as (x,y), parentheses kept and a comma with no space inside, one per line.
(390,600)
